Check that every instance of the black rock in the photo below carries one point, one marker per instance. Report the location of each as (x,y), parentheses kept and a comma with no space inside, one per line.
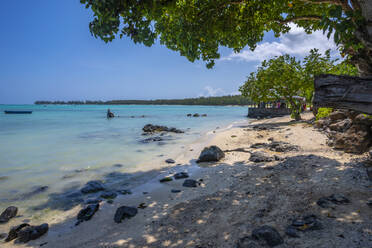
(165,179)
(189,115)
(190,183)
(170,161)
(92,187)
(149,128)
(109,195)
(87,213)
(181,175)
(211,154)
(8,213)
(124,212)
(259,157)
(291,232)
(196,115)
(176,191)
(268,234)
(32,232)
(204,115)
(13,233)
(246,242)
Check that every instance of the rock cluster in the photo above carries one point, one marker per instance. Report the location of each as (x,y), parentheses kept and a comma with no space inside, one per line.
(24,232)
(149,128)
(347,130)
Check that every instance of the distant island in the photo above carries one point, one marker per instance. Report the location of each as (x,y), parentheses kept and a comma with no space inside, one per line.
(219,101)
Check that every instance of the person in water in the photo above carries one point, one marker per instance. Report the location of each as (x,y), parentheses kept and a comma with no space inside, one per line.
(110,114)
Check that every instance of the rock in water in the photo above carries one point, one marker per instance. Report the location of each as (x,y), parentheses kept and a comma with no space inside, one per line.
(190,183)
(13,233)
(181,175)
(124,212)
(170,161)
(211,154)
(149,128)
(268,234)
(8,213)
(87,213)
(32,232)
(110,114)
(92,187)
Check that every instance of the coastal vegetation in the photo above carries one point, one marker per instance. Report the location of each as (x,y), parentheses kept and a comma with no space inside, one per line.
(210,101)
(196,29)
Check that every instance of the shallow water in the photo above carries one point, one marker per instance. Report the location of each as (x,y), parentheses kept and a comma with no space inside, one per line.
(63,146)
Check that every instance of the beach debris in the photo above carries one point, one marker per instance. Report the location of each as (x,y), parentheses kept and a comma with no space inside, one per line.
(170,161)
(109,195)
(13,233)
(190,183)
(149,128)
(87,213)
(165,179)
(328,202)
(306,223)
(124,212)
(181,175)
(268,234)
(258,157)
(8,213)
(92,187)
(110,114)
(211,154)
(142,205)
(176,191)
(32,232)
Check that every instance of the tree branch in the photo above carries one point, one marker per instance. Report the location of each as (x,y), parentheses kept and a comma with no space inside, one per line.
(300,18)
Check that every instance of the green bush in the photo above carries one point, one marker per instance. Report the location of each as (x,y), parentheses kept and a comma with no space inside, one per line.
(323,112)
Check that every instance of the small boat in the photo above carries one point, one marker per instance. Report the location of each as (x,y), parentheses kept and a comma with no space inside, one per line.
(17,112)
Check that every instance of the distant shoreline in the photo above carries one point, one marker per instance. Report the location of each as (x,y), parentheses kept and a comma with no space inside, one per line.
(236,100)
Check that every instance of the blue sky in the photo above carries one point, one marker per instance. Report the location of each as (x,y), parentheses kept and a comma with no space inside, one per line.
(47,53)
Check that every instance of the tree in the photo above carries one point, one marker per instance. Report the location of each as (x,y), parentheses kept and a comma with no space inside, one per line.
(197,28)
(277,79)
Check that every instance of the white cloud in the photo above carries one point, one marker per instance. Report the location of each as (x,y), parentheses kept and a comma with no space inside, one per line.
(296,43)
(210,91)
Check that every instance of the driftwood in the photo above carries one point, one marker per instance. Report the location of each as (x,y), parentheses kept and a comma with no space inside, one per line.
(343,92)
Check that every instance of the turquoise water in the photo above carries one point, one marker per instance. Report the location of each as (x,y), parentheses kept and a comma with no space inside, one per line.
(48,146)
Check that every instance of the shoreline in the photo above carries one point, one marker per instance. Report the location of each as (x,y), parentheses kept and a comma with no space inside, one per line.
(235,196)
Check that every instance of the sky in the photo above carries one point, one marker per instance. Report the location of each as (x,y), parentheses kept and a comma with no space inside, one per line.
(48,53)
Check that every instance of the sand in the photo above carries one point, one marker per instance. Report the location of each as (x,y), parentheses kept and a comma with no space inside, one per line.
(235,196)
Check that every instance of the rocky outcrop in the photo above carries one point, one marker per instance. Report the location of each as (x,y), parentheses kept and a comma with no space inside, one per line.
(349,131)
(211,154)
(149,129)
(8,213)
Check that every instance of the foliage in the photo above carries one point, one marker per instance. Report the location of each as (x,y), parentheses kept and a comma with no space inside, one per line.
(323,112)
(197,28)
(222,100)
(276,79)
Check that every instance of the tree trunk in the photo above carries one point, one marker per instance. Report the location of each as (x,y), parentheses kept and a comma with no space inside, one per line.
(362,59)
(343,92)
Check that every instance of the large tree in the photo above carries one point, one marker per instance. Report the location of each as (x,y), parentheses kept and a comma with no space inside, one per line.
(197,28)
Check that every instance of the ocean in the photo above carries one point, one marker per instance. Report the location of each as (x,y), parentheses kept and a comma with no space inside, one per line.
(48,154)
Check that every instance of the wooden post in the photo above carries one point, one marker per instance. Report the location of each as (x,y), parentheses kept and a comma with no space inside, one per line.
(343,92)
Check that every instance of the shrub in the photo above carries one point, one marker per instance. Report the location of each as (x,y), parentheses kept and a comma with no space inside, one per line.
(323,112)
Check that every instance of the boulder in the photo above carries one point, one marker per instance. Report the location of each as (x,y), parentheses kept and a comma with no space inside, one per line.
(13,233)
(190,183)
(356,139)
(341,126)
(8,213)
(92,187)
(196,115)
(124,212)
(363,119)
(149,128)
(268,234)
(337,115)
(258,157)
(32,232)
(211,154)
(87,213)
(170,161)
(181,175)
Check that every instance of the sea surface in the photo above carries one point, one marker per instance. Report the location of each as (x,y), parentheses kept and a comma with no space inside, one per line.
(48,154)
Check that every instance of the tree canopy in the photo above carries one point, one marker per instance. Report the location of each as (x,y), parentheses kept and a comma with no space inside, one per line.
(197,28)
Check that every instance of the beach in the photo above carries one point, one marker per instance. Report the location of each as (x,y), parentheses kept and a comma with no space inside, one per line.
(235,195)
